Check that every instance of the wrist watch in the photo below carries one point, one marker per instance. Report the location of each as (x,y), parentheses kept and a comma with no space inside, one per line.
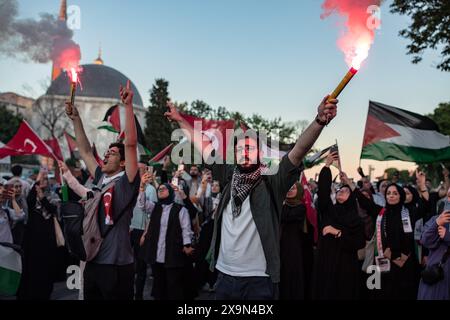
(320,122)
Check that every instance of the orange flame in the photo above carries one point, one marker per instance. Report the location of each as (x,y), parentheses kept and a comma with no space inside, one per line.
(73,75)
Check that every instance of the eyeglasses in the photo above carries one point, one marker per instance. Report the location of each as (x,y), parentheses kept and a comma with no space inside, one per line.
(162,189)
(247,148)
(19,186)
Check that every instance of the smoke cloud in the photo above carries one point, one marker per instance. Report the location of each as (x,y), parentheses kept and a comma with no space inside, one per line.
(358,32)
(43,40)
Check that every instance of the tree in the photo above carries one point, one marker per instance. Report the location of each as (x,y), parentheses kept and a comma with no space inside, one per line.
(10,124)
(50,117)
(441,115)
(429,28)
(201,109)
(403,175)
(158,130)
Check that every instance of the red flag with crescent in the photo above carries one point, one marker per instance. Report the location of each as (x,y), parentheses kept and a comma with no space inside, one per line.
(26,142)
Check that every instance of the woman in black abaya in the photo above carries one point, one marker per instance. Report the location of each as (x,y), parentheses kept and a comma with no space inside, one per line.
(39,245)
(337,269)
(296,247)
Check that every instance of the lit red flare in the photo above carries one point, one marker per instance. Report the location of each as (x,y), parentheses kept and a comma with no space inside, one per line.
(74,79)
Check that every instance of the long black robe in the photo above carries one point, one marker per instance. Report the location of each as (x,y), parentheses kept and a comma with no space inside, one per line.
(296,253)
(337,269)
(39,252)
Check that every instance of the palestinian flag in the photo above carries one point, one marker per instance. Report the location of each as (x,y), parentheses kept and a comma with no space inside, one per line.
(10,270)
(159,158)
(397,134)
(319,157)
(112,118)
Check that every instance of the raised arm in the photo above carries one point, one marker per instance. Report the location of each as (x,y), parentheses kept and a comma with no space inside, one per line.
(131,165)
(430,236)
(83,143)
(421,185)
(142,202)
(72,182)
(326,112)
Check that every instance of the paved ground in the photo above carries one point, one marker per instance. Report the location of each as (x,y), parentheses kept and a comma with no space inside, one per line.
(60,292)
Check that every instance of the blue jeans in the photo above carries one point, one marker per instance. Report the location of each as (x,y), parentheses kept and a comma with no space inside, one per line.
(244,288)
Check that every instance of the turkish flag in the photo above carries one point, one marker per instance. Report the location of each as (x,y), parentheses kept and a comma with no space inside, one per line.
(25,142)
(311,213)
(54,145)
(71,142)
(211,129)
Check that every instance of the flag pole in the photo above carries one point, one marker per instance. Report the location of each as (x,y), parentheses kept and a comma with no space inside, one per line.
(339,161)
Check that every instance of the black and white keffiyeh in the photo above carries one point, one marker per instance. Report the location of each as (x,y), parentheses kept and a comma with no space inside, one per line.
(241,185)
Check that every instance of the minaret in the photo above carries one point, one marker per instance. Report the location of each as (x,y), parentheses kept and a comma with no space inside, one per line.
(62,17)
(99,60)
(63,11)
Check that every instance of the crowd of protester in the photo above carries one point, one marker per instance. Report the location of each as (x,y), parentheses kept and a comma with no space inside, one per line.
(230,229)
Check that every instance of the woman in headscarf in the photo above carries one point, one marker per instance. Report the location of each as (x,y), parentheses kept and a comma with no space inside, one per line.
(296,247)
(337,270)
(167,242)
(17,203)
(395,248)
(418,205)
(436,237)
(39,243)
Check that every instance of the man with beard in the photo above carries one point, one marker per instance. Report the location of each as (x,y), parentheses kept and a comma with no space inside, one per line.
(245,243)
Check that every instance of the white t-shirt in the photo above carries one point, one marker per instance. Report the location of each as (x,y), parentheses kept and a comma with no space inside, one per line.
(241,253)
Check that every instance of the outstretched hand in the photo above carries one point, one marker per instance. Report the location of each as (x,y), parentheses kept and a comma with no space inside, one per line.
(173,114)
(63,166)
(421,179)
(333,156)
(126,94)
